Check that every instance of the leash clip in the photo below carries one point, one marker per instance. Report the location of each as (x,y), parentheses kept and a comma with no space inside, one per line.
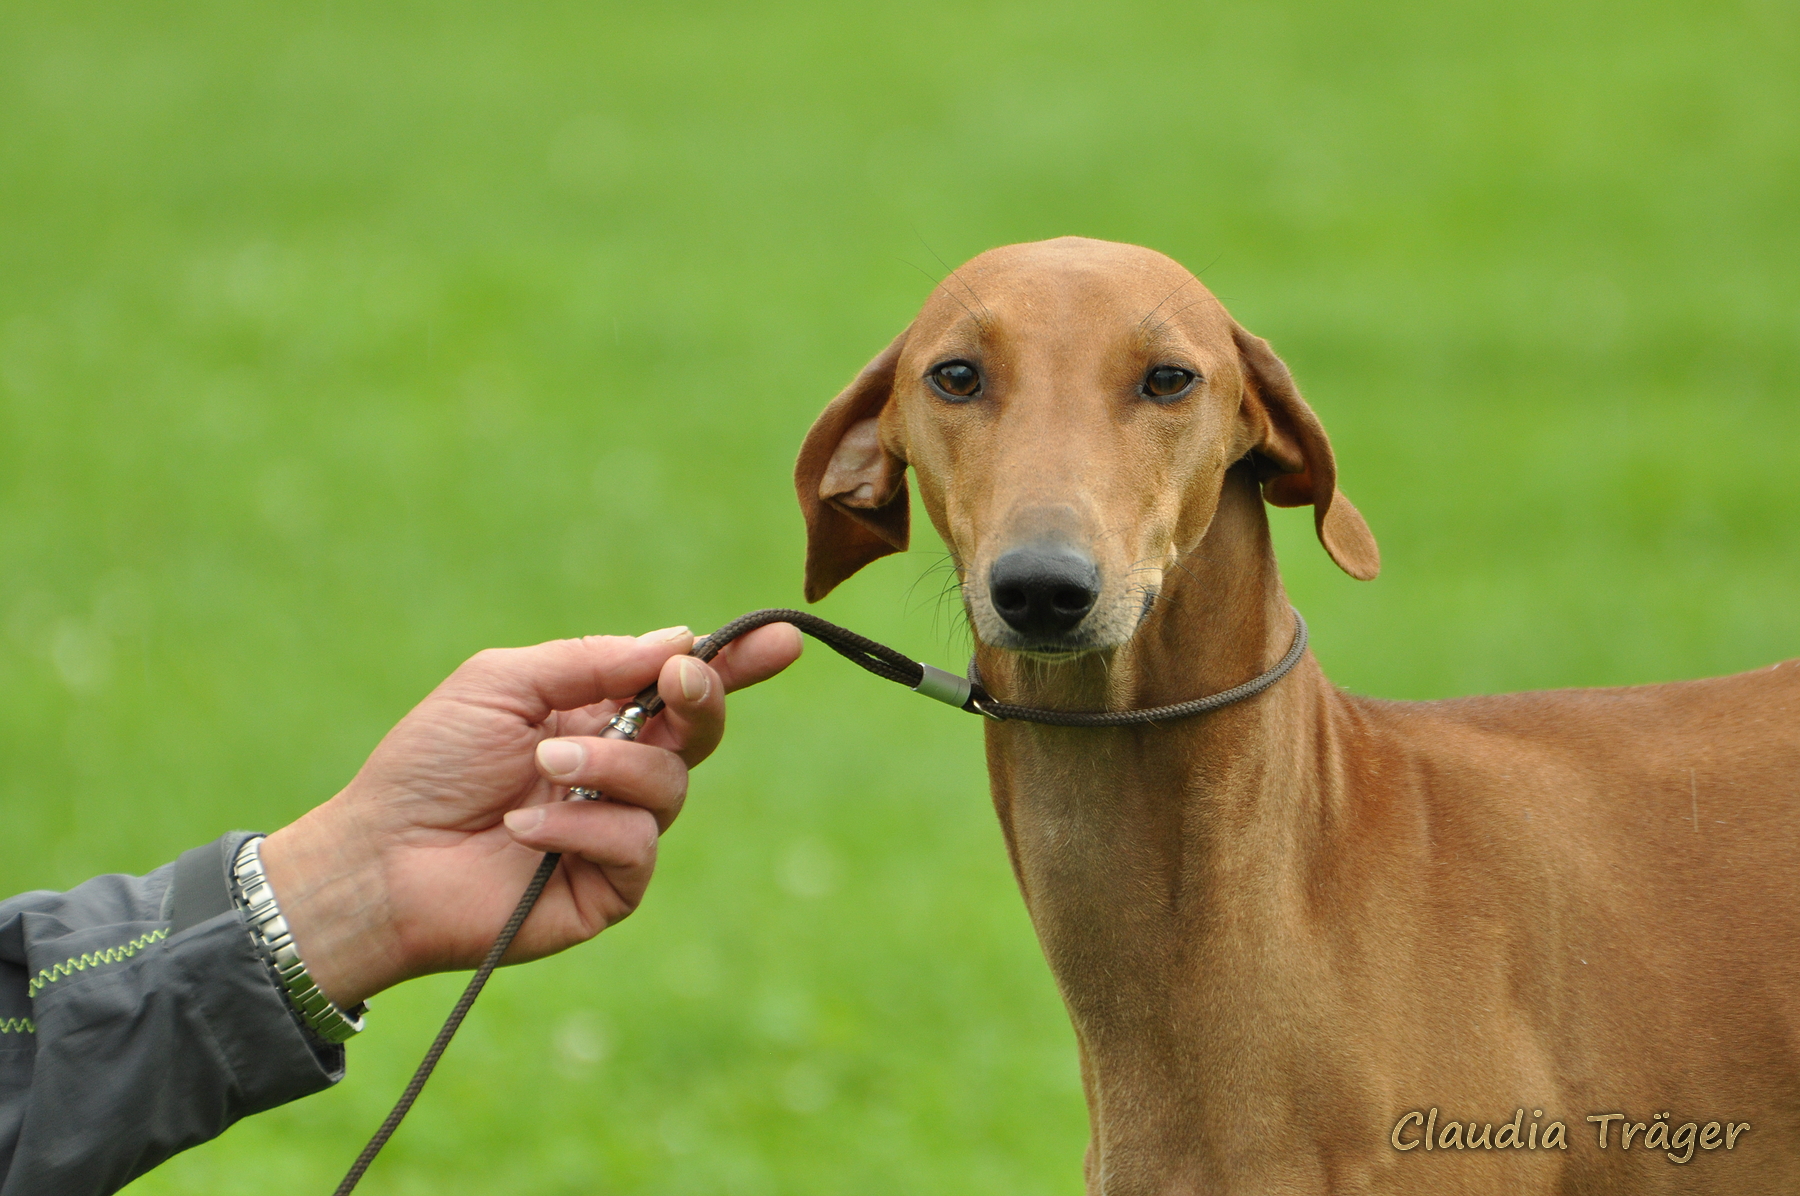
(624,725)
(627,723)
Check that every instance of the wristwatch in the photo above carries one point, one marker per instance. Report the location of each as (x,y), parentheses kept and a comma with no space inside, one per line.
(269,930)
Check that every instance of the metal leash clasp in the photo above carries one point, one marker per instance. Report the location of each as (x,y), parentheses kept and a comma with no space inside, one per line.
(626,724)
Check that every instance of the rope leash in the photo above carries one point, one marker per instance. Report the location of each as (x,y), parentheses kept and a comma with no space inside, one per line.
(965,693)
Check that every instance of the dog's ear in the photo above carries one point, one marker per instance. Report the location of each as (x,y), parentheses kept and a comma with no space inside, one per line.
(851,489)
(1294,460)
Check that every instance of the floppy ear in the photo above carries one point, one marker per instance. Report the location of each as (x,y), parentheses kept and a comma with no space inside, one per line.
(851,489)
(1294,460)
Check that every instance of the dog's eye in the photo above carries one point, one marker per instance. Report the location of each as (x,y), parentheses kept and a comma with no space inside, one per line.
(1166,381)
(957,380)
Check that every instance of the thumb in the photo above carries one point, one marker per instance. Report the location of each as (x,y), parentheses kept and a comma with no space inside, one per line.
(568,674)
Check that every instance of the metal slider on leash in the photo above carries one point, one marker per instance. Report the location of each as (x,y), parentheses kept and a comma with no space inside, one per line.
(945,687)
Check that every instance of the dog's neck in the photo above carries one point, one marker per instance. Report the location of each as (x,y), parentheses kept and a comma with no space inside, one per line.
(1162,864)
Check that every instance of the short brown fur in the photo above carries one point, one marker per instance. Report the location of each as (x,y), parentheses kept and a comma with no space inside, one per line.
(1281,926)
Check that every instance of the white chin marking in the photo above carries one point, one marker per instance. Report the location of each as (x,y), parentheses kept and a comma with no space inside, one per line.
(1052,657)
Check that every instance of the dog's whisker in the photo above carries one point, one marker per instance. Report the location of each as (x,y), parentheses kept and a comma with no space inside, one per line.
(1164,323)
(959,278)
(1178,289)
(931,568)
(938,284)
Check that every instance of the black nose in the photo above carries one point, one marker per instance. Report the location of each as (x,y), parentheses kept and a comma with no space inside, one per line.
(1043,591)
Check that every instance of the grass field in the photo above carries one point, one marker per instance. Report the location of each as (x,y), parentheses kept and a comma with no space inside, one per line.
(337,344)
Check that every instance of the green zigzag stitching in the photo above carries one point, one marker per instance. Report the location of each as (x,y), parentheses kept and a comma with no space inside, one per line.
(92,959)
(16,1025)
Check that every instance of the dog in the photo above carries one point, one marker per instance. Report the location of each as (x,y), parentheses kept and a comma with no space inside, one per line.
(1315,942)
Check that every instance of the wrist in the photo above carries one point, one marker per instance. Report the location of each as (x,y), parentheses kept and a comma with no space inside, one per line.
(335,904)
(275,942)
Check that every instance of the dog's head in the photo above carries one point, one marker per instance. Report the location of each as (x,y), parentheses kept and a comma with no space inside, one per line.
(1070,408)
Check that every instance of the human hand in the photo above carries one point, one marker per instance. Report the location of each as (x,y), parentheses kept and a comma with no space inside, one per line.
(416,864)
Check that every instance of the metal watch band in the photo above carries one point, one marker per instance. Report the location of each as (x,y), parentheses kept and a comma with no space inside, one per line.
(270,932)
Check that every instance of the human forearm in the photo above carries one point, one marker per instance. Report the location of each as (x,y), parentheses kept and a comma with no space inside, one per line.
(153,1025)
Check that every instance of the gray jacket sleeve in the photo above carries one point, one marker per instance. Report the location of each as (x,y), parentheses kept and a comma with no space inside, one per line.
(137,1020)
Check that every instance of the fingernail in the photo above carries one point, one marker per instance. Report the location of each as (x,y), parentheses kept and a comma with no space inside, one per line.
(667,633)
(696,683)
(560,757)
(526,820)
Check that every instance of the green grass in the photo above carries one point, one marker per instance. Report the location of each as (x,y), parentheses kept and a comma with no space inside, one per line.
(337,344)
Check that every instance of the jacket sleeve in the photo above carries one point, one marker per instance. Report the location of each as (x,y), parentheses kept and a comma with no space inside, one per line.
(136,1020)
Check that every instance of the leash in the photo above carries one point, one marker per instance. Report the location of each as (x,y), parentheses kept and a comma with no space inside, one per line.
(965,693)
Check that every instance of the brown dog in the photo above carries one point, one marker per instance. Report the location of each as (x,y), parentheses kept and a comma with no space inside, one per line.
(1316,942)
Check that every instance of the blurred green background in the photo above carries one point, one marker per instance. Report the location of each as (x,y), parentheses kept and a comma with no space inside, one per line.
(337,344)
